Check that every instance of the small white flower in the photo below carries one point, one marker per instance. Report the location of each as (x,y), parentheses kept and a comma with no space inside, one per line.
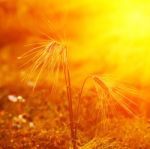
(12,98)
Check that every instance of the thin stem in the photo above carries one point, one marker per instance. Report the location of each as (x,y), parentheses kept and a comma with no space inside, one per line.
(69,96)
(78,104)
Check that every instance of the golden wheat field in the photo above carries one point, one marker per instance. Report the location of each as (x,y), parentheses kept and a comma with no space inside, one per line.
(74,74)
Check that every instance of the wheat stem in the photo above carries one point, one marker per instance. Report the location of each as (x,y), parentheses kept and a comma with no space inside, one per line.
(78,104)
(69,96)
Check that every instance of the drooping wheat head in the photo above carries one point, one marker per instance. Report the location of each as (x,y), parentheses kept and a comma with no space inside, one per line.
(110,94)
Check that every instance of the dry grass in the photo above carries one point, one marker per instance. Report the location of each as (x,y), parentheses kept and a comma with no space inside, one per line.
(51,123)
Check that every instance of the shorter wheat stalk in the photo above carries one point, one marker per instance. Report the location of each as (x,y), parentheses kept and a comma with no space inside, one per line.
(105,94)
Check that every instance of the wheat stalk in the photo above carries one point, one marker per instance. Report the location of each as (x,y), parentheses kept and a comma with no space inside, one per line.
(105,93)
(50,56)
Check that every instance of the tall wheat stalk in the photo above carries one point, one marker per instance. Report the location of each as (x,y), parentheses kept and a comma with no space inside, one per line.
(51,56)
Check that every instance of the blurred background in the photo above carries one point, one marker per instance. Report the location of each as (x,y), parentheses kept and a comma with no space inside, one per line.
(103,36)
